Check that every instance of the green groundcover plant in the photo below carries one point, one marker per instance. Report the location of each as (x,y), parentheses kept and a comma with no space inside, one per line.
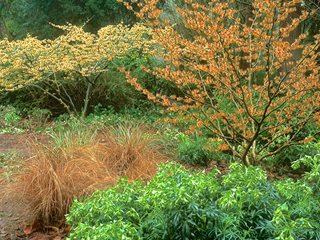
(179,204)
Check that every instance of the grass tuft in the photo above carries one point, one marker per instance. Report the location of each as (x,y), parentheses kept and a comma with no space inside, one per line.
(133,151)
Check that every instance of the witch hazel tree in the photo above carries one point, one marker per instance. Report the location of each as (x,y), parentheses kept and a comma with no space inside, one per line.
(244,75)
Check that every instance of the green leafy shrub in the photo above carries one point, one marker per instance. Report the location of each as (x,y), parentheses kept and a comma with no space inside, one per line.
(9,116)
(179,204)
(198,150)
(15,119)
(313,176)
(10,119)
(294,152)
(38,118)
(192,151)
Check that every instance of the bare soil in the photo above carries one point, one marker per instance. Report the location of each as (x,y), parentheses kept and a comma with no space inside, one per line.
(12,215)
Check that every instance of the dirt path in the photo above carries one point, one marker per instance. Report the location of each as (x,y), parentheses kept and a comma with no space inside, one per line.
(19,142)
(10,213)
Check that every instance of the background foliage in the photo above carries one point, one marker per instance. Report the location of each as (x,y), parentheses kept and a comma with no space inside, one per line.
(18,18)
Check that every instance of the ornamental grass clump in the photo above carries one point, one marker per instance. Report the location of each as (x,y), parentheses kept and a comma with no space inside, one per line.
(132,151)
(47,183)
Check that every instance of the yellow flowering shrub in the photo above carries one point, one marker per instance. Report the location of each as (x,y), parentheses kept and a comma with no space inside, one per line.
(75,55)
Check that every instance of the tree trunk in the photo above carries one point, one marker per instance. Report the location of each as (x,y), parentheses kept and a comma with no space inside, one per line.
(87,100)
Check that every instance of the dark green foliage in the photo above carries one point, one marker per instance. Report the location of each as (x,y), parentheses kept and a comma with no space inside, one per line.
(22,17)
(15,120)
(193,151)
(38,116)
(293,153)
(313,176)
(179,204)
(9,116)
(312,24)
(134,63)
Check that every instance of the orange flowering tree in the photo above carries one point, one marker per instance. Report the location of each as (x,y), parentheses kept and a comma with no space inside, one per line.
(75,56)
(242,76)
